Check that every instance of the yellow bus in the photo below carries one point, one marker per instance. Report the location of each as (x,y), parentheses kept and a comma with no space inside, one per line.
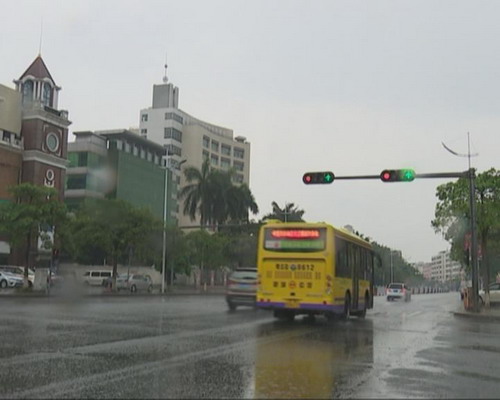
(313,268)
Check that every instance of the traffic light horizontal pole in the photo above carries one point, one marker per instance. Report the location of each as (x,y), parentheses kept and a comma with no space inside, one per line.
(464,174)
(429,175)
(358,177)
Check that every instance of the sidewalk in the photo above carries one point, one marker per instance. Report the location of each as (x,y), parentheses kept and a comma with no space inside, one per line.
(490,314)
(100,291)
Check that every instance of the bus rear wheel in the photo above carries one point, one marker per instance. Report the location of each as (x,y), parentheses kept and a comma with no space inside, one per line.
(362,313)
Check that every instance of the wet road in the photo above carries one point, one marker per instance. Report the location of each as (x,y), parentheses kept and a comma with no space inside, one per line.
(192,347)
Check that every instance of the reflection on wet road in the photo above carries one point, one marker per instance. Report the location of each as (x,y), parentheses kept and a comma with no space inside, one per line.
(192,347)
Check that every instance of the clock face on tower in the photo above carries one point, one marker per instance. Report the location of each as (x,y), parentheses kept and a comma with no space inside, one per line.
(52,142)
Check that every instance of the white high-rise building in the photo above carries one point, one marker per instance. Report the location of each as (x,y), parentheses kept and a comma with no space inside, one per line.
(443,268)
(188,138)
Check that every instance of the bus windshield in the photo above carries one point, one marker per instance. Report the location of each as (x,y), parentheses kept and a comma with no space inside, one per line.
(295,239)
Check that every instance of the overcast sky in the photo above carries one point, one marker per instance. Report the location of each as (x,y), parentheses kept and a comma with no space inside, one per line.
(348,86)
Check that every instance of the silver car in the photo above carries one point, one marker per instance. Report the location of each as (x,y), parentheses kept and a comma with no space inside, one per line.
(133,282)
(19,271)
(398,291)
(494,293)
(8,280)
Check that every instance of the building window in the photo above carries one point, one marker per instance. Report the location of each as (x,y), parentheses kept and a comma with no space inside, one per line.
(225,163)
(136,151)
(172,133)
(214,159)
(119,145)
(27,91)
(206,141)
(76,181)
(174,116)
(173,150)
(82,159)
(215,146)
(157,160)
(238,166)
(205,155)
(239,153)
(144,131)
(225,149)
(47,95)
(127,147)
(144,117)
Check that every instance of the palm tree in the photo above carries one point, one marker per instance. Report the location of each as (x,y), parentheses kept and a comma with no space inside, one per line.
(290,213)
(239,202)
(198,193)
(212,195)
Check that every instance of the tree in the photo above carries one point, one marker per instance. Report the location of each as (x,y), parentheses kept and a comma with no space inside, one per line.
(211,194)
(23,220)
(207,250)
(289,213)
(111,228)
(452,216)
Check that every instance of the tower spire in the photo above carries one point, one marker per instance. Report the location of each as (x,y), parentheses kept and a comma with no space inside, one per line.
(41,36)
(165,79)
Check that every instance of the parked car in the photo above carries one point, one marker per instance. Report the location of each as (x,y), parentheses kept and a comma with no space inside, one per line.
(134,282)
(494,293)
(8,280)
(241,288)
(398,291)
(96,277)
(19,271)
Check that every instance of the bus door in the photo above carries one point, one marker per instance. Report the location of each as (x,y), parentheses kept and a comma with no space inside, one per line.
(355,276)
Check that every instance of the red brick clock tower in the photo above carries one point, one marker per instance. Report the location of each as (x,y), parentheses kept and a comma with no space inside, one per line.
(44,128)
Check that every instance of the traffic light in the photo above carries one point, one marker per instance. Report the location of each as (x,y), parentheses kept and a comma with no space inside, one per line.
(311,178)
(397,175)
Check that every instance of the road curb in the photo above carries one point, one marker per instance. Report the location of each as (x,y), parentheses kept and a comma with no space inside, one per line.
(483,316)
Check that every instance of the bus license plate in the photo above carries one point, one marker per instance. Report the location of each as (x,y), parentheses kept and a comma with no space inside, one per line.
(291,304)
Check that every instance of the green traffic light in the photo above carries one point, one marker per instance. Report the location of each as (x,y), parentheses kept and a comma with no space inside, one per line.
(408,175)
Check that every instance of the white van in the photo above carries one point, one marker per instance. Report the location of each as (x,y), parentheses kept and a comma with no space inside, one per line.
(96,277)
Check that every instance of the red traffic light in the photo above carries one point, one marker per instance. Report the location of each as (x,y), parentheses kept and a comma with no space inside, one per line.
(318,177)
(387,175)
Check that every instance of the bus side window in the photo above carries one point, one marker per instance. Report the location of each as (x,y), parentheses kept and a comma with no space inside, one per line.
(341,268)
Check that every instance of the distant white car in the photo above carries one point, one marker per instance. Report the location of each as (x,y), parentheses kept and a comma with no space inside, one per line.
(8,280)
(494,293)
(398,291)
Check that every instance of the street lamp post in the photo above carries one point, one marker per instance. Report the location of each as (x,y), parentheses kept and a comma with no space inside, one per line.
(164,246)
(164,249)
(172,267)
